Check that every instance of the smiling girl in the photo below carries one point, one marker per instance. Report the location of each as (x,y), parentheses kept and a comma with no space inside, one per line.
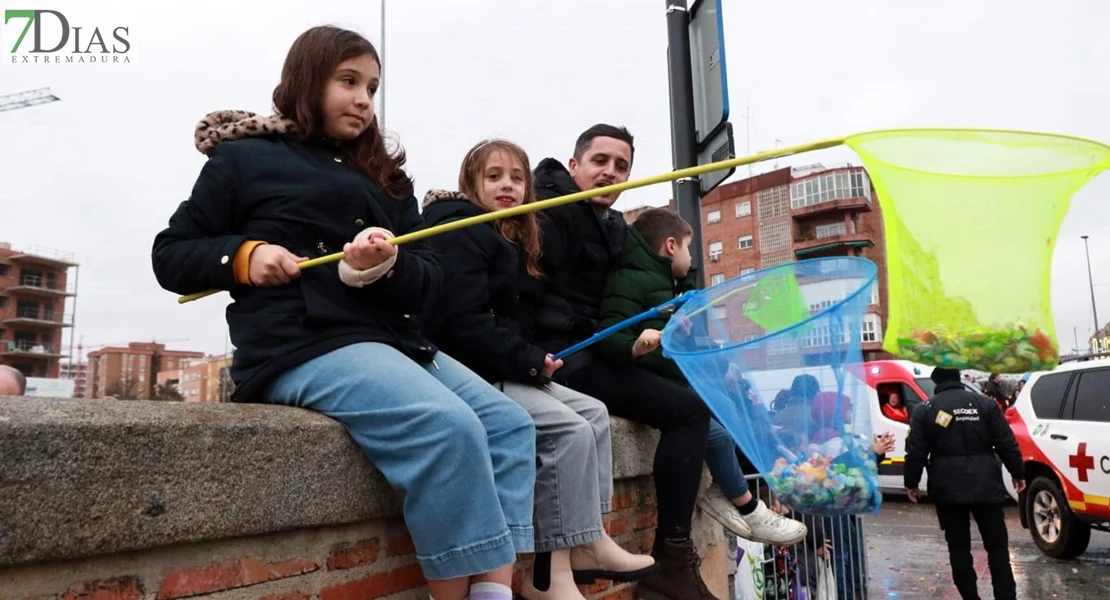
(486,268)
(341,339)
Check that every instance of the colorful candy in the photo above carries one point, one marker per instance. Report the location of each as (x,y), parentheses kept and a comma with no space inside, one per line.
(830,480)
(1007,348)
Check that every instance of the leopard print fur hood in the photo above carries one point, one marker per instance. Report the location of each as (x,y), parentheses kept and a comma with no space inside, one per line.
(230,125)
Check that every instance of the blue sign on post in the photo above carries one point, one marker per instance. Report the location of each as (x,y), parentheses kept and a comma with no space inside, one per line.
(707,64)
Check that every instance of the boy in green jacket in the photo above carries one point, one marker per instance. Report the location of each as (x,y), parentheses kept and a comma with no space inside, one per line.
(654,267)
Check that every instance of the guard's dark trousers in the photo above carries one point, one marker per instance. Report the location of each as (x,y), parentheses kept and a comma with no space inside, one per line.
(955,520)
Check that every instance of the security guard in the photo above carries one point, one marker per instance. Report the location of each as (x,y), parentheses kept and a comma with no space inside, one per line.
(960,437)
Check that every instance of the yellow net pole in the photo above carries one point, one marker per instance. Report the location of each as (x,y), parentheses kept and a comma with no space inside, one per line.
(569,198)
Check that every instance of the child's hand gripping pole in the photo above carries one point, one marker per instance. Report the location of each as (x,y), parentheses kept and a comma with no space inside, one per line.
(668,306)
(569,198)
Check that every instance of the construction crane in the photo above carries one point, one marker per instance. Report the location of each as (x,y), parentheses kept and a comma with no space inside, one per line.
(27,99)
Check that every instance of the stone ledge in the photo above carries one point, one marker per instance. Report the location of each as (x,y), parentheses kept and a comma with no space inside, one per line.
(90,477)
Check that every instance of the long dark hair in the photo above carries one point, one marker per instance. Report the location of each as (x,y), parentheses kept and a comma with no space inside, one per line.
(521,229)
(309,64)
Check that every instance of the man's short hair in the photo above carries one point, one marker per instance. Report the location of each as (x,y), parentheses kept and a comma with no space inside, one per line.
(658,224)
(15,374)
(603,130)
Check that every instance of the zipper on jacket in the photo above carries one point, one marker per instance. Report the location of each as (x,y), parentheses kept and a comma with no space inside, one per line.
(322,248)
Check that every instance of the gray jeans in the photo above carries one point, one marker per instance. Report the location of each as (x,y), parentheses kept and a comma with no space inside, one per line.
(574,463)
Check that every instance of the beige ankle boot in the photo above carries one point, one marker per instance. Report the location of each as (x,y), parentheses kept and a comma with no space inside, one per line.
(605,559)
(550,578)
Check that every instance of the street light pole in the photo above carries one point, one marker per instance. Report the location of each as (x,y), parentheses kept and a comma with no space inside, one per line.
(1091,279)
(684,146)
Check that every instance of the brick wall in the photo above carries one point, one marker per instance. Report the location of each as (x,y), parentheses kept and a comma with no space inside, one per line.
(355,562)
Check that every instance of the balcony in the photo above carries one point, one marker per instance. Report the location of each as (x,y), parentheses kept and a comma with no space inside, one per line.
(45,257)
(37,317)
(33,285)
(828,207)
(830,192)
(809,244)
(26,349)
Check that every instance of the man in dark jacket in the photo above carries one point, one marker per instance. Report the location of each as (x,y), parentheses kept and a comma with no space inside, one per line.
(960,436)
(581,244)
(993,390)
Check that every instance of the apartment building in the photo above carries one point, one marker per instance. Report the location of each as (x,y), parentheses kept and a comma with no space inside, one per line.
(34,287)
(131,372)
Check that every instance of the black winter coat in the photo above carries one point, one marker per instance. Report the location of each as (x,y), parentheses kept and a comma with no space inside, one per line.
(478,319)
(960,436)
(581,245)
(299,195)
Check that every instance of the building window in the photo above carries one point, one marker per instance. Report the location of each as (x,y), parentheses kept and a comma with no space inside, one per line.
(745,242)
(747,270)
(871,328)
(715,250)
(716,278)
(743,209)
(829,230)
(875,294)
(714,216)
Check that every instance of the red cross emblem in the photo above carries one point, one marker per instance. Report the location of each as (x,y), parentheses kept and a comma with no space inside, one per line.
(1081,462)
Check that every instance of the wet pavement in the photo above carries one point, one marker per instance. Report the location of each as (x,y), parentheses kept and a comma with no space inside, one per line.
(908,560)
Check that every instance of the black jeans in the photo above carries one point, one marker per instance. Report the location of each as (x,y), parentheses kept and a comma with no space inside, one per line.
(682,420)
(955,520)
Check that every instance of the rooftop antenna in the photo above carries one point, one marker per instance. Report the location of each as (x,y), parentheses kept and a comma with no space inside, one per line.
(748,118)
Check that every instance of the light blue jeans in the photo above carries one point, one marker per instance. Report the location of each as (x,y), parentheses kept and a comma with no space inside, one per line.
(724,466)
(463,452)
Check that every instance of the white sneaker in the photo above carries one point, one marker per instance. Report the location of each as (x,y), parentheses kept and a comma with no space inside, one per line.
(722,510)
(772,528)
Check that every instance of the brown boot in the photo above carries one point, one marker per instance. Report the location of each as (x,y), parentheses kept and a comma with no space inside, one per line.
(678,577)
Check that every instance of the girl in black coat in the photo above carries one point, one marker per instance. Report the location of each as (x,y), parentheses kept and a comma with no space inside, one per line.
(486,268)
(341,339)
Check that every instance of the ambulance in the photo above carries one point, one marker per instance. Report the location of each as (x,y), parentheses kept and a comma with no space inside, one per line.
(1062,423)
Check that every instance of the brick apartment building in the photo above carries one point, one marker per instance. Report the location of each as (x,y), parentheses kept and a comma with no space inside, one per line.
(131,372)
(34,286)
(796,214)
(201,380)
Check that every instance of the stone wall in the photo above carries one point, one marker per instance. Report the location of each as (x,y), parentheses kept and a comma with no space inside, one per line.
(139,500)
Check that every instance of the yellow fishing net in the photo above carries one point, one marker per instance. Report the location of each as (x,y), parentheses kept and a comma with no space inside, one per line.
(971,220)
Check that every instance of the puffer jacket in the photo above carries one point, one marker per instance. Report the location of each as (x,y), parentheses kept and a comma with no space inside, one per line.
(264,182)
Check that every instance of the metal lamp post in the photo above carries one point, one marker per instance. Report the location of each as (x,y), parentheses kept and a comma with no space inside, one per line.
(1091,279)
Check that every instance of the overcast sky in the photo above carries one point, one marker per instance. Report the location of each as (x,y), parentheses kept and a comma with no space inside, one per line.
(98,174)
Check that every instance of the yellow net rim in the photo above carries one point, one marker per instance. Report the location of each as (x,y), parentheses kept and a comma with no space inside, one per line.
(853,140)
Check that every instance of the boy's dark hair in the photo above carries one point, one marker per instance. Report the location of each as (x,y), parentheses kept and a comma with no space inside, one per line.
(603,130)
(658,224)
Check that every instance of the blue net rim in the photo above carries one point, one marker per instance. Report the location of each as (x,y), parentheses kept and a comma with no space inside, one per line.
(864,263)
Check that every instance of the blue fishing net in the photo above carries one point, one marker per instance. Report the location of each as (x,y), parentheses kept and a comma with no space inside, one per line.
(776,356)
